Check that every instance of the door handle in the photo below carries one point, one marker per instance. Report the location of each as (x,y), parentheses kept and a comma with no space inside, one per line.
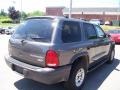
(23,42)
(95,44)
(88,48)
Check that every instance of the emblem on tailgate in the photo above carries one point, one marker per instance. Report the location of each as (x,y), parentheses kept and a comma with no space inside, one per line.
(39,58)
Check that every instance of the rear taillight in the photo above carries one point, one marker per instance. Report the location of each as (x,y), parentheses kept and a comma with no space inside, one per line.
(51,59)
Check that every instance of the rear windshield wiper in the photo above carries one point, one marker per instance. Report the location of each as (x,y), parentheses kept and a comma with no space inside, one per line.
(37,38)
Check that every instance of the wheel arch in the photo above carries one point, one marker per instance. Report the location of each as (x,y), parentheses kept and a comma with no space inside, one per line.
(111,47)
(81,58)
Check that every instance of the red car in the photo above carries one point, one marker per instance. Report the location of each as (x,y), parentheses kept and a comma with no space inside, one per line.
(114,35)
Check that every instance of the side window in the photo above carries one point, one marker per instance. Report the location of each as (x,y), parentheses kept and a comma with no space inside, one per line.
(90,31)
(71,32)
(100,33)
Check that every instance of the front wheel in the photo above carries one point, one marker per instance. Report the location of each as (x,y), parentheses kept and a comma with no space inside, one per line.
(76,78)
(111,57)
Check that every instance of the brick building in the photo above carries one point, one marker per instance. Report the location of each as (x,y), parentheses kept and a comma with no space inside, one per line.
(86,13)
(55,11)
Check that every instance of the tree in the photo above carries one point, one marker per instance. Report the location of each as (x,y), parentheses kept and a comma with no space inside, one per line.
(14,14)
(3,13)
(36,13)
(23,15)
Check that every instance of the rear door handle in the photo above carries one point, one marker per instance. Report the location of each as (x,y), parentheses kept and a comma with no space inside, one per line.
(95,43)
(23,42)
(88,48)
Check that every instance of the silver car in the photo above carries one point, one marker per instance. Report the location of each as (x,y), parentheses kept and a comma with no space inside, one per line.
(57,49)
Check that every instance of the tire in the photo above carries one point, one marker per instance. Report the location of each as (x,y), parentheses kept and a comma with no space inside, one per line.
(111,56)
(2,32)
(8,34)
(77,77)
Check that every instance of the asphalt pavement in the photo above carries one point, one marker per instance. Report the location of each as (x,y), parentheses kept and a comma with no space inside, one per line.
(106,77)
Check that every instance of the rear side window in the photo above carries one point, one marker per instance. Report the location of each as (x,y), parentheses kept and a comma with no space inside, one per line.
(35,29)
(71,32)
(90,31)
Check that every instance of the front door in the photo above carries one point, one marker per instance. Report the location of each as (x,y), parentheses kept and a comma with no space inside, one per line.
(103,42)
(98,43)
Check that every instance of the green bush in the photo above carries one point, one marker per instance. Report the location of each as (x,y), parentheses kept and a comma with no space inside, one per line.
(116,23)
(35,13)
(7,21)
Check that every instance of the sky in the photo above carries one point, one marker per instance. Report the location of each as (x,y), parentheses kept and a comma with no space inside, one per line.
(32,5)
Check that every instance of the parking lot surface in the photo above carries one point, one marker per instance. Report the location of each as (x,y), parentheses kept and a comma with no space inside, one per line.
(106,77)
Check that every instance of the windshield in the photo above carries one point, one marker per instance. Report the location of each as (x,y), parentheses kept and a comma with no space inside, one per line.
(114,31)
(35,29)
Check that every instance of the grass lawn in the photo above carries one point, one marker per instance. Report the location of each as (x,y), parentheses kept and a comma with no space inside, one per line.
(106,28)
(5,25)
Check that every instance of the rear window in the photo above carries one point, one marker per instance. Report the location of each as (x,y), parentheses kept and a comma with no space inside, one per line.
(35,29)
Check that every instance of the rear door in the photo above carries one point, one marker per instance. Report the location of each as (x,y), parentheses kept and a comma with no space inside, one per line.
(71,41)
(31,41)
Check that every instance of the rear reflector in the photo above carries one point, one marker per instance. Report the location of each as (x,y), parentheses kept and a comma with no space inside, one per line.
(52,59)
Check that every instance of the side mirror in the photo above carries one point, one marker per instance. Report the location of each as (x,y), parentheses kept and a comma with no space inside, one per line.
(108,35)
(102,36)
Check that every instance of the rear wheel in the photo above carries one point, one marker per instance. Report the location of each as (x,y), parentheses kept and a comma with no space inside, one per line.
(8,33)
(111,57)
(2,32)
(76,78)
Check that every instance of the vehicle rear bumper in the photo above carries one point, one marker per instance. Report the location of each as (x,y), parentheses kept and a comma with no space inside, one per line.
(43,75)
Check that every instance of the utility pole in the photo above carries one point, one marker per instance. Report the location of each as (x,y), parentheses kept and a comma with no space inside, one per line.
(118,11)
(21,9)
(13,3)
(70,9)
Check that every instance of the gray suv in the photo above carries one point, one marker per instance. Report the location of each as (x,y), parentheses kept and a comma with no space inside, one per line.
(57,49)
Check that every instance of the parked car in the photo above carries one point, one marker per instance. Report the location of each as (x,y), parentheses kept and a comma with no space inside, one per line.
(108,23)
(83,19)
(56,49)
(2,30)
(10,30)
(114,35)
(96,21)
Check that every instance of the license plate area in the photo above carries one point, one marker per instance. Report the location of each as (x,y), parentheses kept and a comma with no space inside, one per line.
(17,69)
